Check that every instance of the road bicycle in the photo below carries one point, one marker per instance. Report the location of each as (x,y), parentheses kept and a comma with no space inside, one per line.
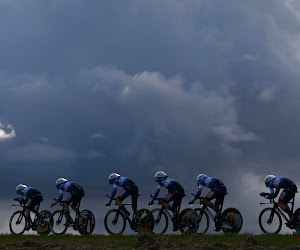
(270,218)
(84,221)
(115,223)
(230,221)
(158,219)
(41,221)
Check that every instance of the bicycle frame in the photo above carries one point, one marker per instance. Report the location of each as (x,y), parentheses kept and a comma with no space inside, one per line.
(280,211)
(63,210)
(163,208)
(35,211)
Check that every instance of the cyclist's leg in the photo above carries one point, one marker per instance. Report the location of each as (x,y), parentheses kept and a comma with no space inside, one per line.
(166,202)
(209,197)
(134,198)
(283,200)
(70,198)
(123,195)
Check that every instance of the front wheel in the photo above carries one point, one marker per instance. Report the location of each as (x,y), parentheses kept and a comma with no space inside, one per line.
(270,221)
(17,222)
(199,221)
(86,222)
(114,222)
(157,221)
(42,222)
(232,221)
(57,222)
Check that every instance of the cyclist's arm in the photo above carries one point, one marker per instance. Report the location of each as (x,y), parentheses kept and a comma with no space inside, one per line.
(23,199)
(199,192)
(273,194)
(60,197)
(113,194)
(156,192)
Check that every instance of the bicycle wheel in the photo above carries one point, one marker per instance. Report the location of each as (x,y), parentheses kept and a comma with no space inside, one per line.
(57,222)
(199,221)
(297,214)
(114,222)
(17,222)
(141,226)
(269,226)
(183,220)
(232,221)
(86,222)
(157,221)
(42,222)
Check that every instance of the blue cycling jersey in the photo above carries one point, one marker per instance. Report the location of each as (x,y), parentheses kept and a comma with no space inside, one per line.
(164,182)
(277,184)
(120,182)
(209,182)
(67,187)
(26,193)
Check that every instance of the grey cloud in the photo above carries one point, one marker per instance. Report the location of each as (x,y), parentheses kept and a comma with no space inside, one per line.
(7,132)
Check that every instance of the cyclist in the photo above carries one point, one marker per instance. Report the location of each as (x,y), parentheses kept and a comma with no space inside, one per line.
(75,195)
(30,197)
(289,191)
(218,192)
(129,188)
(175,193)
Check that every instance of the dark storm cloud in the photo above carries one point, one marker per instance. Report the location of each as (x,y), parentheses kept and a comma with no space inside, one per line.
(139,86)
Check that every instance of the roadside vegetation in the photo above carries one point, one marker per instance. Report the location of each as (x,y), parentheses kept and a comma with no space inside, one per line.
(218,242)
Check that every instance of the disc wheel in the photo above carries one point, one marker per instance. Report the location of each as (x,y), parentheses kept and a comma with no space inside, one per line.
(17,222)
(114,222)
(232,221)
(42,222)
(297,214)
(57,222)
(184,217)
(199,221)
(86,222)
(157,221)
(141,226)
(267,225)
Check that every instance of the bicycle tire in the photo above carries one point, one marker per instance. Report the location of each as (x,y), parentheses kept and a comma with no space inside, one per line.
(183,219)
(55,221)
(86,222)
(152,221)
(297,214)
(20,220)
(261,220)
(194,226)
(142,227)
(236,221)
(108,221)
(42,222)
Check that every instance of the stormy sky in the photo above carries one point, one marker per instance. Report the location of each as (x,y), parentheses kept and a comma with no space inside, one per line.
(201,86)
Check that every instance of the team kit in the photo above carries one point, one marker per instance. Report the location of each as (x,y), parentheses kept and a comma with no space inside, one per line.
(189,220)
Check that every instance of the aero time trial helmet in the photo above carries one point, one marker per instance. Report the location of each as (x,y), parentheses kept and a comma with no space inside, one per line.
(268,178)
(112,177)
(60,181)
(159,175)
(200,177)
(20,187)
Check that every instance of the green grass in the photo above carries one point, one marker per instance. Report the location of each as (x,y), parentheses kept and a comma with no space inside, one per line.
(129,241)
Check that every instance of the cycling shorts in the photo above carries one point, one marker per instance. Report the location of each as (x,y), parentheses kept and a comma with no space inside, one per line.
(288,193)
(35,199)
(217,193)
(176,193)
(75,197)
(130,189)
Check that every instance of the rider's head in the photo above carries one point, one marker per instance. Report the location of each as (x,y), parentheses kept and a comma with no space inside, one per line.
(112,177)
(268,178)
(160,175)
(60,181)
(20,187)
(200,177)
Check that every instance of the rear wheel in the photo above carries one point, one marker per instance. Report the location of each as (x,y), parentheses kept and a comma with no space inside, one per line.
(141,225)
(114,222)
(199,221)
(297,218)
(183,219)
(267,224)
(57,222)
(17,222)
(86,222)
(157,221)
(232,221)
(42,222)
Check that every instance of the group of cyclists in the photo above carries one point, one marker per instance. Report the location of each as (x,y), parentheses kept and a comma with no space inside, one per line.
(31,197)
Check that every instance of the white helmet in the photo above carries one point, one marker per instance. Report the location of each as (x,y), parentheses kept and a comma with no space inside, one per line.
(112,177)
(60,181)
(20,187)
(200,177)
(159,175)
(268,178)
